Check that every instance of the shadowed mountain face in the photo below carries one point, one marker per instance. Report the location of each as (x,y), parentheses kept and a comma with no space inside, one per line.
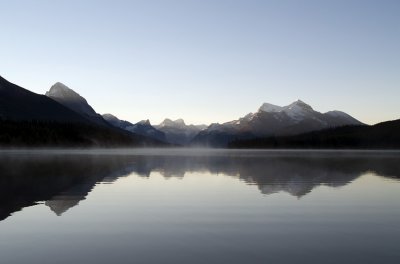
(19,104)
(143,127)
(62,179)
(69,98)
(273,120)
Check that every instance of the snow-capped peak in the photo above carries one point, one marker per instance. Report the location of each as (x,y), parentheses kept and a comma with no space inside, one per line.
(297,109)
(298,104)
(293,108)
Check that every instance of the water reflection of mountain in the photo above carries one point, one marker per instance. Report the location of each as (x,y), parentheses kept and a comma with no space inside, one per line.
(295,174)
(62,181)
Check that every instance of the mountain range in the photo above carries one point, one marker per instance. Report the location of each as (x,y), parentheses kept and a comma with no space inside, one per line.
(60,119)
(63,117)
(173,132)
(178,132)
(272,120)
(142,127)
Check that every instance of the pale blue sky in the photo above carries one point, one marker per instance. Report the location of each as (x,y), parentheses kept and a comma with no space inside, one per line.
(208,61)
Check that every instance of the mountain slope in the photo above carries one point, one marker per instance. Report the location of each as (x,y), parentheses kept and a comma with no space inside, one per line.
(385,135)
(113,120)
(69,98)
(272,120)
(29,119)
(142,128)
(61,134)
(17,103)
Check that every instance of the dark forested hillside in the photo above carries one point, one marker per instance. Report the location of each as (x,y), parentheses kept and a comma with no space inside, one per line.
(384,135)
(56,134)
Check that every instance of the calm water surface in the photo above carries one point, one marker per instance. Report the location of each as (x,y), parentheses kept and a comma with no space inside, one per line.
(199,206)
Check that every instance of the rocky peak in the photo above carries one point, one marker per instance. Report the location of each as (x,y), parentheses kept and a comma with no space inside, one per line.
(267,107)
(299,105)
(145,122)
(60,90)
(170,123)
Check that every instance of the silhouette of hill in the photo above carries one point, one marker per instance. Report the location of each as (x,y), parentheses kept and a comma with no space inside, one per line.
(57,134)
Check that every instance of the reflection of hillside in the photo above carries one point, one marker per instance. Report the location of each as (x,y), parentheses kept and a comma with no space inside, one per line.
(64,180)
(60,180)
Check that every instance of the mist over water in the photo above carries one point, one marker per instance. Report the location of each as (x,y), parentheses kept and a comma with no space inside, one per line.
(199,206)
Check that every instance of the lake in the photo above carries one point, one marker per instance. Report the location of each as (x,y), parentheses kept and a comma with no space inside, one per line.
(199,206)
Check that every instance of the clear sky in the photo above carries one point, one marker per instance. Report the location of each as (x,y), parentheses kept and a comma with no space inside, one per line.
(208,60)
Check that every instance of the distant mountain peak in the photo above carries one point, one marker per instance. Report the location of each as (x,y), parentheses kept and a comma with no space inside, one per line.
(71,99)
(172,123)
(267,107)
(179,121)
(145,122)
(273,120)
(60,90)
(298,109)
(299,103)
(296,106)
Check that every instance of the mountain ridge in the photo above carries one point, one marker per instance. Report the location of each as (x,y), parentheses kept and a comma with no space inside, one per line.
(34,120)
(74,101)
(142,127)
(63,117)
(20,104)
(295,118)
